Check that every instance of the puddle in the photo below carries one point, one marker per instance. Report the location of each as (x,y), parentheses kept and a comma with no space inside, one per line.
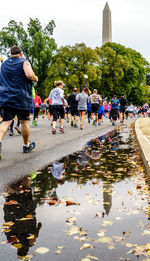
(91,205)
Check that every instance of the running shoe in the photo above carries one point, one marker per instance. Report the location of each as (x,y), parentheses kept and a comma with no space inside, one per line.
(0,150)
(88,120)
(93,122)
(99,123)
(71,123)
(11,133)
(75,126)
(30,148)
(18,129)
(34,123)
(61,129)
(54,131)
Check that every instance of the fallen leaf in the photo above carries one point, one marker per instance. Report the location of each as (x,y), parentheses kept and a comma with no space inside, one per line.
(42,250)
(95,182)
(18,245)
(107,223)
(58,251)
(84,246)
(69,203)
(11,202)
(8,224)
(31,237)
(105,240)
(111,247)
(92,257)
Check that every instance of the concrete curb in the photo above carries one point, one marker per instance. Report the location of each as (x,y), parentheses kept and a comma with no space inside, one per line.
(144,146)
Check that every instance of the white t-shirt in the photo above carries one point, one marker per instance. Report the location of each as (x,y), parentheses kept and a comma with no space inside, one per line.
(94,98)
(56,95)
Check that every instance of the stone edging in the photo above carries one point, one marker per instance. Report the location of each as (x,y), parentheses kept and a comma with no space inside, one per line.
(144,146)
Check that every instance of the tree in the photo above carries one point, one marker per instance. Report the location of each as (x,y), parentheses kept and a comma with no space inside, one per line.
(70,64)
(36,43)
(123,71)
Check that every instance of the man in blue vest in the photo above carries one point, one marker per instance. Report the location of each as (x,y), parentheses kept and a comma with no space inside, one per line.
(16,78)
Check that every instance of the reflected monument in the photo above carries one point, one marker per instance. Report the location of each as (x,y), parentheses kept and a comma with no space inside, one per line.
(107,25)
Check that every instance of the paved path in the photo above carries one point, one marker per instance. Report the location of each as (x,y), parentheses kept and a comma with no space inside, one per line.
(49,147)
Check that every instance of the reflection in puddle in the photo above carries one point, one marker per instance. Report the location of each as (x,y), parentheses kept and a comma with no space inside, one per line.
(92,204)
(20,227)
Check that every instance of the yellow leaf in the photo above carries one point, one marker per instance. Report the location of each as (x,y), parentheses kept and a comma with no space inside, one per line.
(105,240)
(58,251)
(17,245)
(31,237)
(42,250)
(8,224)
(111,247)
(84,246)
(92,257)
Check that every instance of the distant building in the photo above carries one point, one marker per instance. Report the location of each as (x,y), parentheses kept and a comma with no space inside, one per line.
(107,25)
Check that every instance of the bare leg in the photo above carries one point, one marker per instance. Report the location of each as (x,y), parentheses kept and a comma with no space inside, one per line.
(82,113)
(76,119)
(61,123)
(25,131)
(54,124)
(96,116)
(3,128)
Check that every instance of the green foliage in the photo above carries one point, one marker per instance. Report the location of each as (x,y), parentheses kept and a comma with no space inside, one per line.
(37,44)
(123,71)
(70,64)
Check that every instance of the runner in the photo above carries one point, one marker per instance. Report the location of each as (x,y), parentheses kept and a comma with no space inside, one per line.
(106,108)
(114,109)
(73,103)
(43,108)
(16,95)
(17,128)
(123,103)
(95,102)
(37,101)
(89,111)
(101,113)
(57,97)
(82,99)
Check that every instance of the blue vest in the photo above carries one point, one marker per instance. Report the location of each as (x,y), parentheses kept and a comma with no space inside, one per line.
(15,88)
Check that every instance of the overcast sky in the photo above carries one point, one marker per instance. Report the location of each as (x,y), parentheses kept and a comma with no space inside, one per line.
(81,20)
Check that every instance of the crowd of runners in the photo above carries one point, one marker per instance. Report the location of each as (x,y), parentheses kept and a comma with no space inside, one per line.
(18,98)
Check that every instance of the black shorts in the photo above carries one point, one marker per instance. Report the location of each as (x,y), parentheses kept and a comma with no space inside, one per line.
(1,113)
(36,112)
(94,107)
(10,113)
(114,114)
(74,112)
(58,110)
(100,116)
(67,110)
(50,109)
(122,109)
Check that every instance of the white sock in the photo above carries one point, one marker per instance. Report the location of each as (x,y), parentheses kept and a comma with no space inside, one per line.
(26,145)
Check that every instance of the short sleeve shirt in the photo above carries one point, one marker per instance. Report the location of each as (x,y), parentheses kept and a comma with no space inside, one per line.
(56,95)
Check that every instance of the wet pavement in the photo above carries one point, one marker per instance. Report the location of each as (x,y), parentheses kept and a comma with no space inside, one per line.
(90,205)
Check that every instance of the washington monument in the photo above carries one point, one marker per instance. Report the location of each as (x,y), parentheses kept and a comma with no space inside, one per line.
(107,26)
